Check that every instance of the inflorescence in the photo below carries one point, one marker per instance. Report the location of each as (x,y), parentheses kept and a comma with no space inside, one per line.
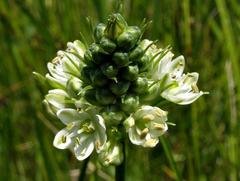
(111,88)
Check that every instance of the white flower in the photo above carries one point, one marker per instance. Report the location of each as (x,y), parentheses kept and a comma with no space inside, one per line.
(174,85)
(111,153)
(66,64)
(82,133)
(146,125)
(57,99)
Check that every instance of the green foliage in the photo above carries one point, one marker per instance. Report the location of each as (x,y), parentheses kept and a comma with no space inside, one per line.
(204,144)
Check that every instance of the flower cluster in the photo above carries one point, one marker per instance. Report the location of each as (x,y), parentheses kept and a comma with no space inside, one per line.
(109,89)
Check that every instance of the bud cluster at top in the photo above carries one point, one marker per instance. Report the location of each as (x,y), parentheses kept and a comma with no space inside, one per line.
(116,66)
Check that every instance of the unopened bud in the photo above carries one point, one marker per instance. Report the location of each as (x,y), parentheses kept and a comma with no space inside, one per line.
(130,72)
(129,37)
(136,54)
(107,45)
(90,96)
(105,97)
(129,103)
(143,63)
(140,86)
(120,87)
(98,54)
(121,59)
(97,78)
(99,32)
(109,70)
(113,115)
(115,26)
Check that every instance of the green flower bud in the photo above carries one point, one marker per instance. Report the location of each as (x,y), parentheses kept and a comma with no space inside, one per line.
(130,72)
(115,26)
(99,32)
(121,59)
(129,37)
(136,54)
(143,63)
(113,115)
(74,85)
(109,70)
(107,45)
(140,86)
(90,96)
(105,97)
(111,153)
(120,87)
(98,54)
(97,78)
(129,103)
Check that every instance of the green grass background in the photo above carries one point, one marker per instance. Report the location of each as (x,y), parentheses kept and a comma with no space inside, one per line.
(204,144)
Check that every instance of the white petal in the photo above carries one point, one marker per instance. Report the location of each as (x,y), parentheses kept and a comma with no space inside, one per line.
(150,143)
(56,83)
(58,74)
(84,149)
(63,139)
(182,99)
(100,132)
(163,66)
(68,115)
(58,92)
(129,122)
(176,67)
(158,129)
(80,47)
(55,100)
(134,136)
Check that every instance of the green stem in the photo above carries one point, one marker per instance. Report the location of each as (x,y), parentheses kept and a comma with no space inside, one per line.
(170,158)
(83,170)
(120,169)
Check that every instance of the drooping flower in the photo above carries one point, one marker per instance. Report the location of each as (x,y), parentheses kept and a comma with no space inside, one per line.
(84,131)
(146,125)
